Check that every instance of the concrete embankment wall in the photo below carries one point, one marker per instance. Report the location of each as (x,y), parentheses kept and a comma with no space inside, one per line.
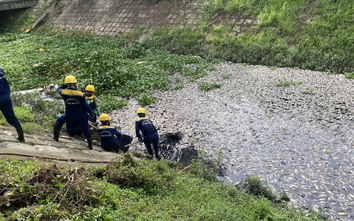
(121,16)
(115,17)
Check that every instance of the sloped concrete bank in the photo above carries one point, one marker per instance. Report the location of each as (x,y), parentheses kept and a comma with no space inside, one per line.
(292,128)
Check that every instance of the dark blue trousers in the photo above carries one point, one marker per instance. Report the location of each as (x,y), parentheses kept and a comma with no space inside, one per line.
(9,114)
(155,143)
(62,119)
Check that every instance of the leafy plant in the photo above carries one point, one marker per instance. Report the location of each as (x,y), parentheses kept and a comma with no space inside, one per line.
(145,99)
(309,90)
(349,75)
(254,186)
(207,86)
(288,83)
(226,76)
(109,102)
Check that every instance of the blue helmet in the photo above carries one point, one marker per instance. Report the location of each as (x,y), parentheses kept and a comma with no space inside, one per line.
(2,73)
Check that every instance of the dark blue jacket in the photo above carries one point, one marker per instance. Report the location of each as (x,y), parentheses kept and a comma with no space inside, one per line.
(76,106)
(110,137)
(147,128)
(4,88)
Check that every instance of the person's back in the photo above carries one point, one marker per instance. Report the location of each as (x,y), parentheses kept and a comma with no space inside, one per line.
(144,125)
(147,128)
(111,138)
(75,104)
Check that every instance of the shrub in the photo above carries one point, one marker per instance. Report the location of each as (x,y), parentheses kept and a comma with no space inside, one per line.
(145,99)
(253,185)
(109,102)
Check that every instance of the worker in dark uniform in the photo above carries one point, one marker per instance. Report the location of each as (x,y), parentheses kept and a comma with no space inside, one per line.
(149,133)
(111,138)
(77,111)
(91,101)
(75,129)
(7,108)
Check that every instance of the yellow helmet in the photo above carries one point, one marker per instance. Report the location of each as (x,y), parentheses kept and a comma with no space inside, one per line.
(104,117)
(70,80)
(90,88)
(141,111)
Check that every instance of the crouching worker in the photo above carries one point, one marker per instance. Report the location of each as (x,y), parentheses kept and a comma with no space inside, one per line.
(6,106)
(150,135)
(77,111)
(111,138)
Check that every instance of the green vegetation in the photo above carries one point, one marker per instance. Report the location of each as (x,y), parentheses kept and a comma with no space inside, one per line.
(207,86)
(35,114)
(114,66)
(349,75)
(226,76)
(309,90)
(288,83)
(130,189)
(317,35)
(117,68)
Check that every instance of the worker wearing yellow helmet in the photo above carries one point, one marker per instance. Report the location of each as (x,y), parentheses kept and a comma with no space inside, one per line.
(77,111)
(149,134)
(111,138)
(91,101)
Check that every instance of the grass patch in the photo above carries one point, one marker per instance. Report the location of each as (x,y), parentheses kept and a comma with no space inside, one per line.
(288,83)
(208,86)
(226,76)
(316,35)
(129,189)
(309,90)
(110,102)
(349,75)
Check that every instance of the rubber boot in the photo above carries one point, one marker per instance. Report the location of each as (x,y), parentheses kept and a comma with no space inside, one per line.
(56,134)
(20,136)
(157,155)
(89,142)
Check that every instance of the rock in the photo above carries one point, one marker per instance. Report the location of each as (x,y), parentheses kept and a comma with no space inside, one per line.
(187,155)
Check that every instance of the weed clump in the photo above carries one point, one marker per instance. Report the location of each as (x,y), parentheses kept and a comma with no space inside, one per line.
(68,190)
(254,186)
(128,173)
